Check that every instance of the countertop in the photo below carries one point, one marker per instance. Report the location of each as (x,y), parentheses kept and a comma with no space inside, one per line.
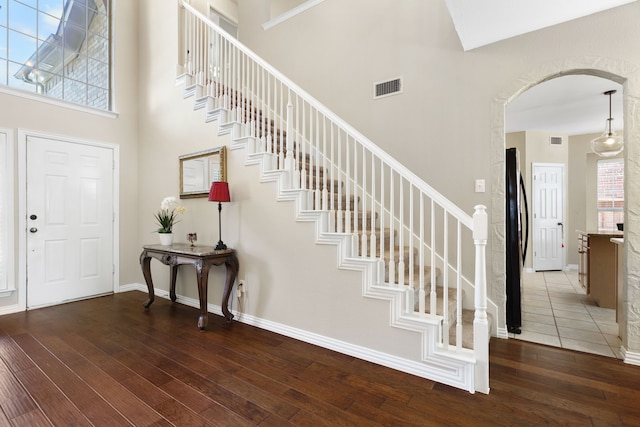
(601,233)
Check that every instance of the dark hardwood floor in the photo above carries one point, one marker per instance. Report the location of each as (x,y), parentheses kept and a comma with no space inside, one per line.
(107,362)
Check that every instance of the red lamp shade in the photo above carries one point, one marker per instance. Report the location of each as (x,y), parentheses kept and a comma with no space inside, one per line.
(219,192)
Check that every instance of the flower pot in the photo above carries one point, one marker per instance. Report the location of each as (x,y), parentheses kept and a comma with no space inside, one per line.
(166,239)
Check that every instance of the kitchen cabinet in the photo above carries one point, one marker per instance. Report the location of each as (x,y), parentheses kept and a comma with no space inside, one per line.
(583,248)
(598,267)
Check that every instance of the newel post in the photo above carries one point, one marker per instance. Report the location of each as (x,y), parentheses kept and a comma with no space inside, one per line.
(480,323)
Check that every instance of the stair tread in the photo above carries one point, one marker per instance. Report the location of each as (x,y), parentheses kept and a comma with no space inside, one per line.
(452,302)
(416,274)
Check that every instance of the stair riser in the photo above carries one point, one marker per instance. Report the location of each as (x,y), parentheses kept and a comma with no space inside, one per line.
(378,235)
(359,224)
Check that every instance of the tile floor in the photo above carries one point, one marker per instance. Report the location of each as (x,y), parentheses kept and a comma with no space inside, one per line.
(556,311)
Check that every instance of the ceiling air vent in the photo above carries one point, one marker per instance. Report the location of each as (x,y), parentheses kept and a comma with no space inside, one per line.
(555,140)
(386,88)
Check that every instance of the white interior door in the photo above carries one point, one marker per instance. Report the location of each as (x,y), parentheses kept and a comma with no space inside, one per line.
(548,216)
(69,221)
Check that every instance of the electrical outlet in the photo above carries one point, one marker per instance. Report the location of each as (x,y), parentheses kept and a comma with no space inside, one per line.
(241,288)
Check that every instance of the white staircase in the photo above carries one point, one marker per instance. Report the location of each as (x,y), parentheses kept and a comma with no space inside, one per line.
(411,244)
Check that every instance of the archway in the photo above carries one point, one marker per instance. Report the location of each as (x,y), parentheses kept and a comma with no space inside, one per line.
(618,71)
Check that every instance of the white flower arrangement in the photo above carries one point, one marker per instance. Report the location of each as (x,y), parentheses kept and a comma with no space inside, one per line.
(166,216)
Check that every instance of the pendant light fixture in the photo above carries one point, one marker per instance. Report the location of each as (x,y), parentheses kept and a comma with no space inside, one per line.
(608,144)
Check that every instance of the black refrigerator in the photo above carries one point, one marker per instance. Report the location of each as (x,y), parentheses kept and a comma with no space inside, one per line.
(516,247)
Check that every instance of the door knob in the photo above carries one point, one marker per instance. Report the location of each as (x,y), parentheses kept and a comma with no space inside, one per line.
(33,217)
(33,230)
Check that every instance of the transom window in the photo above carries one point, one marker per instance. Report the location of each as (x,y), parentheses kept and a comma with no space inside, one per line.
(57,48)
(610,194)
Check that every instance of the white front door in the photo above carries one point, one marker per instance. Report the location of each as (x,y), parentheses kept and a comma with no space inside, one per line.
(69,221)
(548,216)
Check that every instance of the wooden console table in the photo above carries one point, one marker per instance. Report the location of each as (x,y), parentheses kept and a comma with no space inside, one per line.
(202,257)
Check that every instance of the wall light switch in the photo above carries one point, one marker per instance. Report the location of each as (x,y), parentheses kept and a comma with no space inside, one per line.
(480,186)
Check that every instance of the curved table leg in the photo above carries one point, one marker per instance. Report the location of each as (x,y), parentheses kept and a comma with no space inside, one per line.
(202,272)
(145,262)
(172,287)
(233,265)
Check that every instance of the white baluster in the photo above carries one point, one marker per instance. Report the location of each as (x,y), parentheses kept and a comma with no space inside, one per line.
(433,259)
(401,237)
(421,291)
(325,194)
(339,210)
(363,226)
(316,187)
(410,243)
(304,173)
(459,286)
(392,227)
(331,190)
(356,204)
(373,242)
(445,280)
(346,216)
(297,153)
(382,216)
(288,160)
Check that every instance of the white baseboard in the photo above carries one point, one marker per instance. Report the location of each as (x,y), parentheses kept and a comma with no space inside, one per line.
(630,357)
(10,309)
(503,333)
(398,363)
(131,287)
(568,267)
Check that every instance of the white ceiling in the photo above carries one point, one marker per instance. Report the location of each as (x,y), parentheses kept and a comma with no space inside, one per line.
(570,105)
(482,22)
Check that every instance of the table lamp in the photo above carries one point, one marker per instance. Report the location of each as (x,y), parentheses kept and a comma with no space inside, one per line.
(219,193)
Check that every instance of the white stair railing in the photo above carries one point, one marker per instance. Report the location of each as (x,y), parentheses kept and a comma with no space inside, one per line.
(424,242)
